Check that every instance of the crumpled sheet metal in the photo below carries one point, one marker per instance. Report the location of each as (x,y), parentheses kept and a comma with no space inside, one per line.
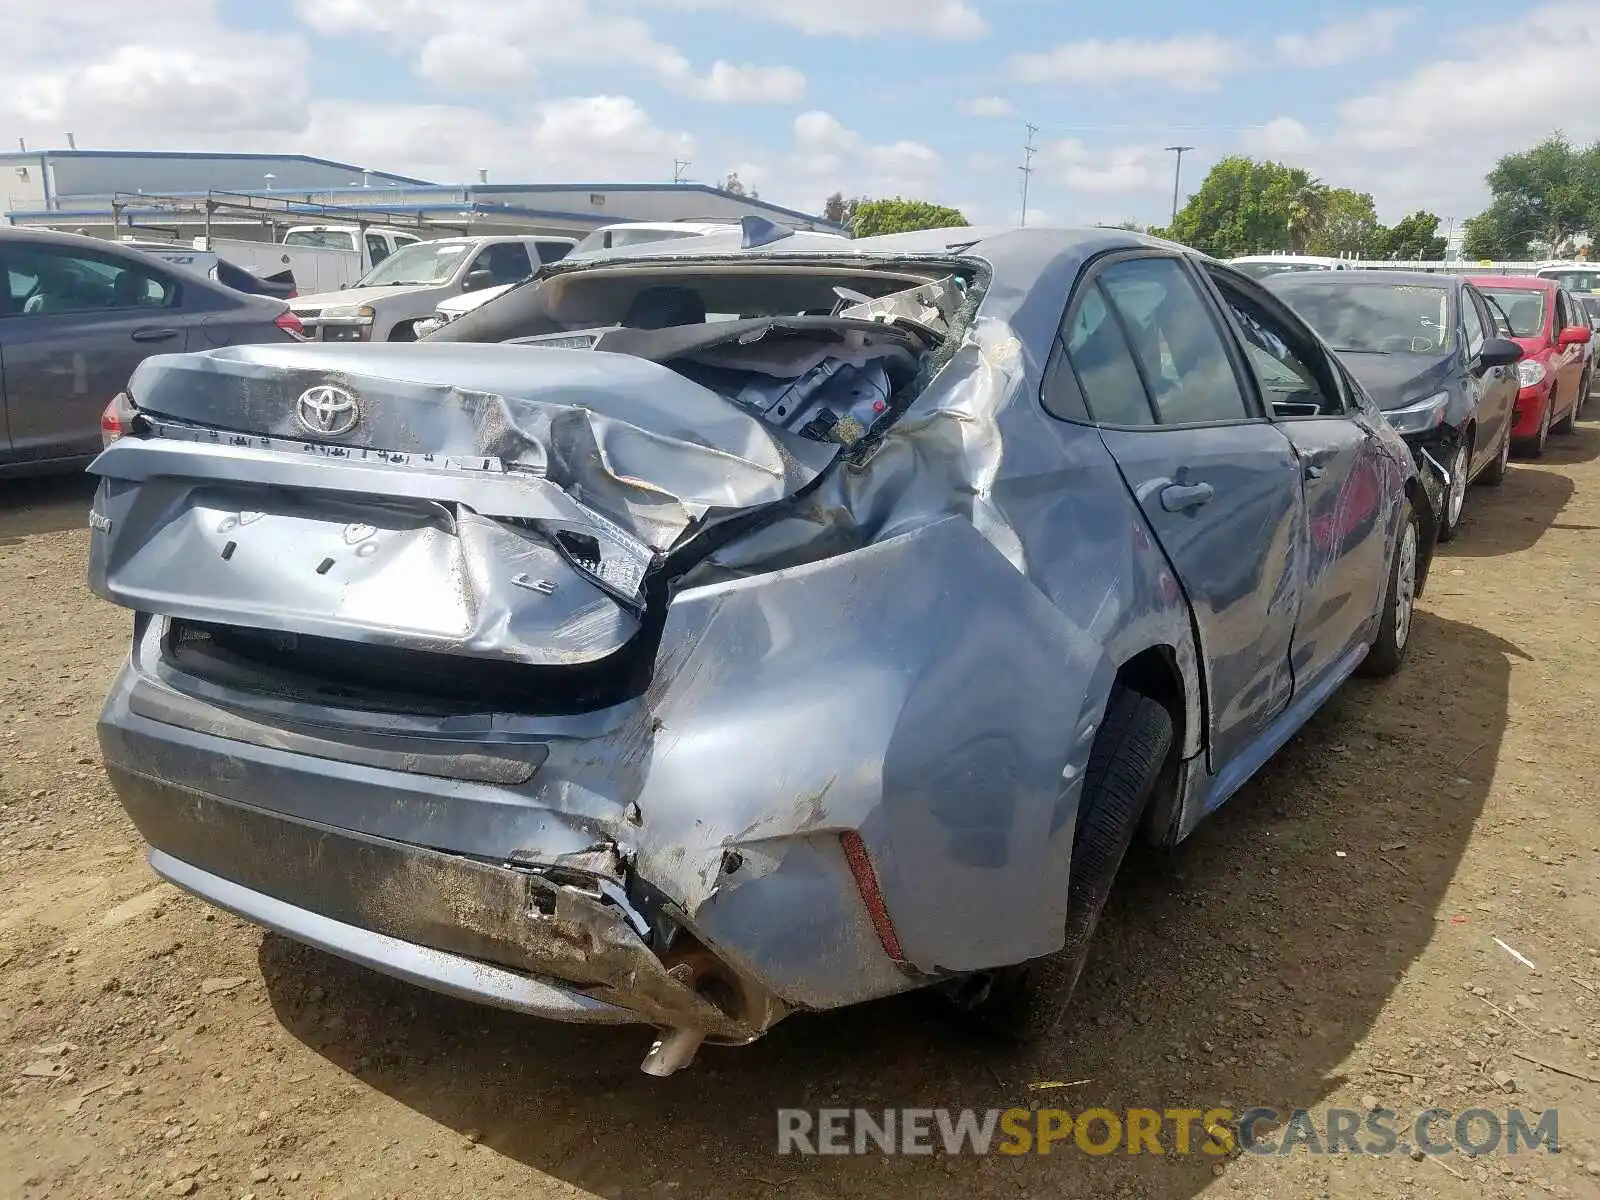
(634,440)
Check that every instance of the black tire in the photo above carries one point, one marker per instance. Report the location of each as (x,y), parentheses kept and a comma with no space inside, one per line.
(1495,473)
(1024,1003)
(406,331)
(1388,649)
(1460,466)
(1535,448)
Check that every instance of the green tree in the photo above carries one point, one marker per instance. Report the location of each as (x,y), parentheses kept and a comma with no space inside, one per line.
(897,215)
(1347,225)
(1543,195)
(1249,207)
(1413,237)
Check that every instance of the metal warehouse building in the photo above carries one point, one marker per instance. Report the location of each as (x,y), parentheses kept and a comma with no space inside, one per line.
(158,193)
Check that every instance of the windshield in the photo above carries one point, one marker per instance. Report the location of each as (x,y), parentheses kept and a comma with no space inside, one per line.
(426,262)
(1587,280)
(323,239)
(1260,270)
(1377,318)
(1523,309)
(611,239)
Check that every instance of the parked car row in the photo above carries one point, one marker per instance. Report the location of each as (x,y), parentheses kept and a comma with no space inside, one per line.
(752,623)
(1467,370)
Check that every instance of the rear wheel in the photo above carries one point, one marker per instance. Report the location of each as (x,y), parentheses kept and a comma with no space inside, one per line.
(1024,1003)
(1399,603)
(1536,448)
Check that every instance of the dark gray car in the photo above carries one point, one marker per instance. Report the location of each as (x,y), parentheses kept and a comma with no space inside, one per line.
(1424,346)
(77,315)
(731,629)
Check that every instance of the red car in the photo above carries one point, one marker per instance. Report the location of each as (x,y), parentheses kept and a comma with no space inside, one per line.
(1540,316)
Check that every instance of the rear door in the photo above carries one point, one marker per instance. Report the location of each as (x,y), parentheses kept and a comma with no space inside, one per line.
(1346,476)
(1217,482)
(79,321)
(1570,359)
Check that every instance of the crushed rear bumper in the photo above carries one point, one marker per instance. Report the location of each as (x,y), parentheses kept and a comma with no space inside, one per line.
(476,930)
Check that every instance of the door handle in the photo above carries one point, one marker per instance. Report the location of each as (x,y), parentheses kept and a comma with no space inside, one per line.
(1180,497)
(154,335)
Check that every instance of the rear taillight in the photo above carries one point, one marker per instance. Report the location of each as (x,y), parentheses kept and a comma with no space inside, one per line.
(117,420)
(290,324)
(866,877)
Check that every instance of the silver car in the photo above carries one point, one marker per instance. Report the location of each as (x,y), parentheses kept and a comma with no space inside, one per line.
(761,623)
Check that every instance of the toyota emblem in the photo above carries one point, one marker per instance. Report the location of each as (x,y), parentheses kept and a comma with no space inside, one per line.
(327,410)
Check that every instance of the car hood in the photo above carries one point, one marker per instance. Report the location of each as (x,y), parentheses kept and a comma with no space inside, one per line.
(366,295)
(1395,380)
(1533,347)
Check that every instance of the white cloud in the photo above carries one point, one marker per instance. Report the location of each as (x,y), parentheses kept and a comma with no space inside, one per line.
(987,106)
(1366,36)
(953,20)
(1283,137)
(1190,62)
(1122,169)
(464,61)
(498,44)
(1428,138)
(177,75)
(728,83)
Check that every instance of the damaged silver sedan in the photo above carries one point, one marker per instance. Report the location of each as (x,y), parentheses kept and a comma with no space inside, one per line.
(769,624)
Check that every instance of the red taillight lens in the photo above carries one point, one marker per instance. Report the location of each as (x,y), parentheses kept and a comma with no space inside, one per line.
(290,324)
(866,877)
(117,420)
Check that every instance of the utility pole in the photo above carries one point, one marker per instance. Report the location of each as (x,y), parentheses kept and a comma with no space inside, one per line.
(1028,151)
(1177,175)
(679,166)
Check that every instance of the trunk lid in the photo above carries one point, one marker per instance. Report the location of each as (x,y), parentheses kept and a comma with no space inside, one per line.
(499,501)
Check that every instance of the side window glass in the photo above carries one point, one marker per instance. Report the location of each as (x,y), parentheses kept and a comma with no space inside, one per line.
(1285,374)
(1061,394)
(1104,365)
(42,281)
(377,248)
(1177,343)
(1471,322)
(506,262)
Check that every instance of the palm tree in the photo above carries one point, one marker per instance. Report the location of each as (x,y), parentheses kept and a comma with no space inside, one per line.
(1307,207)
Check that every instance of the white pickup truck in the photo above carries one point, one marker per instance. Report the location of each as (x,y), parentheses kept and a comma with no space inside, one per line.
(320,258)
(407,288)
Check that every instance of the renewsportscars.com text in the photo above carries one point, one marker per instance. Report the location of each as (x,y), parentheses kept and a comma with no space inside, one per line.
(1178,1131)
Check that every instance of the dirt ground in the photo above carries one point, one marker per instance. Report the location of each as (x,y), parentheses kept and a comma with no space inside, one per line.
(1326,939)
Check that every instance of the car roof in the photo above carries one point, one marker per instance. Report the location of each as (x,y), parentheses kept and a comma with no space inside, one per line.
(1526,283)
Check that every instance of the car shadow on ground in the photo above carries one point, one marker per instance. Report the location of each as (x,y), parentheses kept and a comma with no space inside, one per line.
(1536,495)
(47,504)
(1242,969)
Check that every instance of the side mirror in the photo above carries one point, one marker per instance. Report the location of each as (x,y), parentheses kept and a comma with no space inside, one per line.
(1576,335)
(1498,352)
(476,280)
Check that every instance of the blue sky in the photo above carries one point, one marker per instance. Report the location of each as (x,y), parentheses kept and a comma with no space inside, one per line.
(804,97)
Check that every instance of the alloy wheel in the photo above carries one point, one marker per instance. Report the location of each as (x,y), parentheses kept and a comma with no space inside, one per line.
(1405,584)
(1457,498)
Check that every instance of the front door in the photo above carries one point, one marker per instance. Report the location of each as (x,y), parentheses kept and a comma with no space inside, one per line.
(1496,387)
(75,325)
(1218,484)
(1345,474)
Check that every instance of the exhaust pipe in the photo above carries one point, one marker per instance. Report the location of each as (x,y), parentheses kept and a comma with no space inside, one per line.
(673,1050)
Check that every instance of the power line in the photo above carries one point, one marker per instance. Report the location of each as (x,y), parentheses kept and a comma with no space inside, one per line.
(1028,151)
